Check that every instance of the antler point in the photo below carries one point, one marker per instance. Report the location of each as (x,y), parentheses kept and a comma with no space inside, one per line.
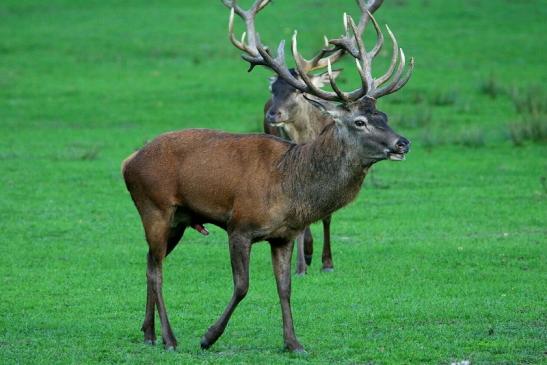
(359,67)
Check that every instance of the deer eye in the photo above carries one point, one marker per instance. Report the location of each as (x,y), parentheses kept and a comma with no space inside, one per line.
(360,122)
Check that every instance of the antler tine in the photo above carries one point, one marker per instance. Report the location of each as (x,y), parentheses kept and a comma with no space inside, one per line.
(398,74)
(364,63)
(405,79)
(277,64)
(399,84)
(301,65)
(338,92)
(394,58)
(248,17)
(259,5)
(346,42)
(329,53)
(363,60)
(239,44)
(320,59)
(233,4)
(379,34)
(367,8)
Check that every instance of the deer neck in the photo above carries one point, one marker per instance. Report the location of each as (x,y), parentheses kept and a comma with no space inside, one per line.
(322,176)
(308,122)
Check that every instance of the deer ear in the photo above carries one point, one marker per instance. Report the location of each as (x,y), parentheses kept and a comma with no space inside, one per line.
(331,109)
(323,78)
(271,81)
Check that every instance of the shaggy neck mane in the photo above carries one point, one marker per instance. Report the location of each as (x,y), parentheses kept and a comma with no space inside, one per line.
(321,176)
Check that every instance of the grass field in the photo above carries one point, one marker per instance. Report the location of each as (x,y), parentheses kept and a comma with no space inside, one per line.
(442,259)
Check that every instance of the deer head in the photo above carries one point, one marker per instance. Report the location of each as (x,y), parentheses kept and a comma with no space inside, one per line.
(354,112)
(287,101)
(366,129)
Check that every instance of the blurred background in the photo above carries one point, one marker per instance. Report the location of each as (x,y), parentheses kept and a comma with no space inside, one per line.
(441,258)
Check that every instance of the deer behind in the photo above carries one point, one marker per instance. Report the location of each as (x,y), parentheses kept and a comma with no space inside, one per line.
(290,116)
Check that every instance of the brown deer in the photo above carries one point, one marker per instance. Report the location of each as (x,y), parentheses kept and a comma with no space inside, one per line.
(259,187)
(287,114)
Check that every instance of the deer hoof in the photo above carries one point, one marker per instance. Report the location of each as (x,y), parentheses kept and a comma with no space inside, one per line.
(204,343)
(327,269)
(299,352)
(170,348)
(149,342)
(296,349)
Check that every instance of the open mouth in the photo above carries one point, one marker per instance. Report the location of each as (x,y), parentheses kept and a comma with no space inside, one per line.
(277,124)
(396,156)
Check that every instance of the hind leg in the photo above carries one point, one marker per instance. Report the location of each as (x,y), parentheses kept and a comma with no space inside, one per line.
(281,261)
(148,326)
(158,233)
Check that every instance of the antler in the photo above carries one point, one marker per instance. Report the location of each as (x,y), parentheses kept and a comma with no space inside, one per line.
(333,54)
(320,59)
(258,54)
(353,44)
(251,53)
(366,7)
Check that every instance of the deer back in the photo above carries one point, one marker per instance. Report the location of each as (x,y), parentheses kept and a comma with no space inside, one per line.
(219,176)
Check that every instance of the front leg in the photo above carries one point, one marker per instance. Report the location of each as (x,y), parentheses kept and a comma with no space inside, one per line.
(308,245)
(281,260)
(240,249)
(328,266)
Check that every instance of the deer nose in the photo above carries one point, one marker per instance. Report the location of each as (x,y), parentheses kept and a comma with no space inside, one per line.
(273,116)
(403,145)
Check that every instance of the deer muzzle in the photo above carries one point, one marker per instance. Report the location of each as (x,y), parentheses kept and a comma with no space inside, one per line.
(276,118)
(401,148)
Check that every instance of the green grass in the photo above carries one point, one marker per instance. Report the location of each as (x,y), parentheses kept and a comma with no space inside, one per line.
(445,262)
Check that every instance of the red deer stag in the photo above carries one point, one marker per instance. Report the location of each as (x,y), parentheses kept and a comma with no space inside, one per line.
(287,114)
(259,187)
